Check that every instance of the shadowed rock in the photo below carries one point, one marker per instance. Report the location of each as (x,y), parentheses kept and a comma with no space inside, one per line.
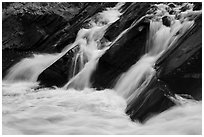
(121,55)
(181,66)
(166,21)
(42,27)
(127,18)
(178,71)
(153,99)
(65,39)
(58,73)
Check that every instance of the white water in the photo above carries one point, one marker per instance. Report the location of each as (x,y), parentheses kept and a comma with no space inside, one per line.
(58,111)
(161,37)
(88,40)
(29,69)
(67,110)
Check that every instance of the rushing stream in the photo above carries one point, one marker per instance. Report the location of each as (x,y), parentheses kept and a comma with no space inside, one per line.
(77,108)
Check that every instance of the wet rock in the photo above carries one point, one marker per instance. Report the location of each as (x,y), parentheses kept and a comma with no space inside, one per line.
(182,62)
(186,6)
(29,23)
(52,77)
(166,20)
(178,71)
(171,5)
(197,6)
(58,74)
(67,35)
(121,55)
(42,27)
(131,12)
(65,38)
(153,100)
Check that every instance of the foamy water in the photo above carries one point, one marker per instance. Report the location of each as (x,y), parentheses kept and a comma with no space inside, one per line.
(29,69)
(78,109)
(88,40)
(161,37)
(59,111)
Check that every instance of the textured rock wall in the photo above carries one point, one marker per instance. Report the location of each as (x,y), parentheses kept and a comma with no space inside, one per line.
(178,71)
(40,27)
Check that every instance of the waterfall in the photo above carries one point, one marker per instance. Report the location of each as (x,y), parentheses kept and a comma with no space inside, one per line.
(91,47)
(29,69)
(161,37)
(77,108)
(88,40)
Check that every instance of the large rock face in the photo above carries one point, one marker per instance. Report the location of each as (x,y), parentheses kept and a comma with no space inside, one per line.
(127,49)
(59,72)
(42,27)
(49,27)
(183,63)
(126,45)
(121,55)
(25,25)
(131,12)
(178,72)
(153,99)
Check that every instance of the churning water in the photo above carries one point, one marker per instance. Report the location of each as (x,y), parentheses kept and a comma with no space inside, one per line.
(78,109)
(59,111)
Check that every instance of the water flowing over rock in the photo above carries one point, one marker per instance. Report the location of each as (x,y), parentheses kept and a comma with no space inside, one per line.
(42,27)
(102,68)
(127,18)
(183,62)
(124,52)
(86,46)
(162,86)
(175,74)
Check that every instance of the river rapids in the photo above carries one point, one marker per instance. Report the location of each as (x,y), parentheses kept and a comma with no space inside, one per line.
(77,108)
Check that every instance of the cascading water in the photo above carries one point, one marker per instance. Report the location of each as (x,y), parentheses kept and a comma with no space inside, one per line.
(88,41)
(132,83)
(65,110)
(91,47)
(29,69)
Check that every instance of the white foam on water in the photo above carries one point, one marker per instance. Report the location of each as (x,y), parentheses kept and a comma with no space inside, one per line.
(161,37)
(78,109)
(88,40)
(28,69)
(59,111)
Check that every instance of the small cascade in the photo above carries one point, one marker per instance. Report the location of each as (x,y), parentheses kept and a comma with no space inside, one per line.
(88,40)
(82,79)
(161,37)
(29,69)
(91,48)
(76,108)
(137,75)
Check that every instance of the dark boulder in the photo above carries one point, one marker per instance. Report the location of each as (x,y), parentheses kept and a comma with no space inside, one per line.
(171,5)
(197,5)
(64,38)
(166,20)
(181,66)
(122,54)
(131,12)
(25,26)
(59,72)
(35,27)
(152,100)
(68,34)
(178,71)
